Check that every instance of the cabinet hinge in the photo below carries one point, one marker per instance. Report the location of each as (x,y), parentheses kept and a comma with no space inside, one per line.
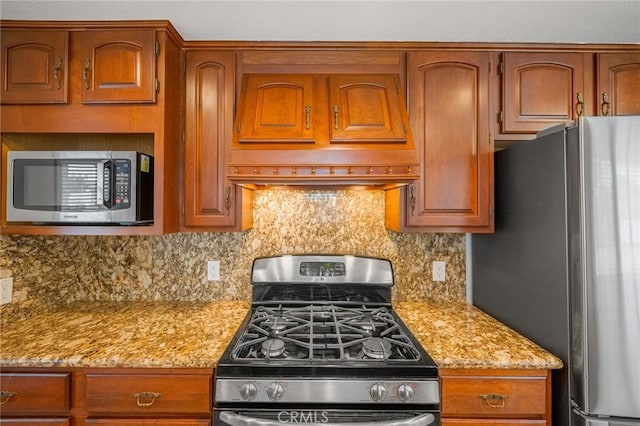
(157,48)
(501,117)
(490,211)
(184,138)
(404,127)
(157,85)
(500,68)
(239,126)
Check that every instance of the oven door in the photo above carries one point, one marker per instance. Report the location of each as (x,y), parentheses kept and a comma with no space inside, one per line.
(325,417)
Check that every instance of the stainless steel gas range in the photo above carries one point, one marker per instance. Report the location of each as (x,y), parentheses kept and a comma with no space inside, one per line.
(323,345)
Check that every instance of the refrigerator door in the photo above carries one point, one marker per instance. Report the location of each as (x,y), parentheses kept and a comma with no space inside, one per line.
(605,266)
(580,419)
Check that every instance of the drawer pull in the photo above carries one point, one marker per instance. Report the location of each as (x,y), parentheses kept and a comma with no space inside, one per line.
(146,399)
(5,396)
(494,400)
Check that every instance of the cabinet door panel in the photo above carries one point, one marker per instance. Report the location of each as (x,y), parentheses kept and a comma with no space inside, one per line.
(34,67)
(541,90)
(365,108)
(277,109)
(35,393)
(34,422)
(148,394)
(619,83)
(118,66)
(493,396)
(448,106)
(208,194)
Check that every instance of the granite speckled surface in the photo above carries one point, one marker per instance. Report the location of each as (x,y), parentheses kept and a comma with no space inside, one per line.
(459,335)
(110,334)
(53,270)
(194,335)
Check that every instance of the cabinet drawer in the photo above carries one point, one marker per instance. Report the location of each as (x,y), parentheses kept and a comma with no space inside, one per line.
(146,394)
(35,422)
(494,396)
(26,393)
(148,422)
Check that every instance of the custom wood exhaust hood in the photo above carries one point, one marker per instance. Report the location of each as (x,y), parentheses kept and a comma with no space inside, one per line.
(308,129)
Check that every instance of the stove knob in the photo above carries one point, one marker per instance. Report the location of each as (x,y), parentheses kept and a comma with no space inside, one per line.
(248,391)
(275,391)
(378,392)
(405,392)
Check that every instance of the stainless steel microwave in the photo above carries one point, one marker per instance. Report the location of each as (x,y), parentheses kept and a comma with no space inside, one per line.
(78,187)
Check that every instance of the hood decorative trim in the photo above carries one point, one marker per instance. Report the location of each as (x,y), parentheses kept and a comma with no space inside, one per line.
(306,174)
(306,129)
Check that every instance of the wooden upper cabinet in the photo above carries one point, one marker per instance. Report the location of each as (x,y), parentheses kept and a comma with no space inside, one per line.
(541,89)
(315,109)
(34,67)
(618,83)
(366,108)
(118,66)
(210,200)
(277,108)
(449,115)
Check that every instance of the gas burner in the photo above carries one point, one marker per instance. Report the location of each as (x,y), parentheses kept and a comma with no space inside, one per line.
(376,347)
(273,348)
(324,333)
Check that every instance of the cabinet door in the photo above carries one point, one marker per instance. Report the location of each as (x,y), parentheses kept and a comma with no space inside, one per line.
(449,110)
(277,108)
(366,108)
(619,83)
(118,66)
(540,90)
(34,66)
(209,196)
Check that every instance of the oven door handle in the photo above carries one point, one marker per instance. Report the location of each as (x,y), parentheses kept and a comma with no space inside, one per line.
(233,419)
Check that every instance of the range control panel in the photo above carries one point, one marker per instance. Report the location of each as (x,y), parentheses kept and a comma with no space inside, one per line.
(322,269)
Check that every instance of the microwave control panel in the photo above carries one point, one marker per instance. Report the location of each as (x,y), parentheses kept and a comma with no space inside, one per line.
(121,183)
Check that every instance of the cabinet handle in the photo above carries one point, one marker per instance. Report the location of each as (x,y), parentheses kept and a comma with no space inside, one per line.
(227,200)
(494,400)
(56,72)
(307,115)
(412,199)
(149,397)
(579,104)
(5,396)
(85,73)
(606,106)
(335,117)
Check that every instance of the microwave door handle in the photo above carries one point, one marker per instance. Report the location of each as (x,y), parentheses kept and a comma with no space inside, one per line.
(233,419)
(100,200)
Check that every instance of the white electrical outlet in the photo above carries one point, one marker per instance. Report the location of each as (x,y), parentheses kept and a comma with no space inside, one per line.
(439,270)
(6,290)
(213,270)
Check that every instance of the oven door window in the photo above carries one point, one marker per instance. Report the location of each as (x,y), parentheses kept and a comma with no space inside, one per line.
(325,417)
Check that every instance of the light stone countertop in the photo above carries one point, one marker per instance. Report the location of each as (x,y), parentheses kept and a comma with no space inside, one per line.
(194,335)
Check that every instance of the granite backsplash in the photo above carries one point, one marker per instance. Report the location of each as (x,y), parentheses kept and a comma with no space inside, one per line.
(50,270)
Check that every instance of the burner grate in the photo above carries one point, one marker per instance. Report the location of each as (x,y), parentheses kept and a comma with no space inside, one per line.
(324,332)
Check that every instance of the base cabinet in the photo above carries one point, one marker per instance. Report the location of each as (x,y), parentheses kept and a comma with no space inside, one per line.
(106,396)
(497,397)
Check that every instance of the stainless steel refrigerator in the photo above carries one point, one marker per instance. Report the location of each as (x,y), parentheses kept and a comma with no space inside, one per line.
(563,267)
